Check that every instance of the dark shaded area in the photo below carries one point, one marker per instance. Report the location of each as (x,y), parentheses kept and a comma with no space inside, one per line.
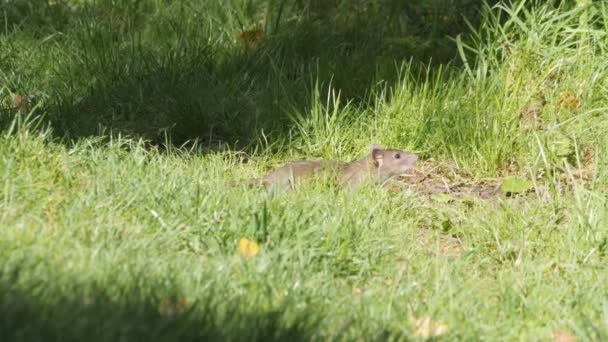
(40,301)
(34,16)
(129,69)
(96,317)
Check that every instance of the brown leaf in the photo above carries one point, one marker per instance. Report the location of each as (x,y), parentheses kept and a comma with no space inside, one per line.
(170,307)
(559,336)
(533,109)
(441,245)
(588,154)
(251,37)
(569,100)
(21,103)
(451,247)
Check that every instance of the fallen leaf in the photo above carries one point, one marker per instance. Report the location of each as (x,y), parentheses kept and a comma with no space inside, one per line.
(441,245)
(532,111)
(425,327)
(515,184)
(251,37)
(248,248)
(170,307)
(442,197)
(183,303)
(21,103)
(559,336)
(451,247)
(569,100)
(588,154)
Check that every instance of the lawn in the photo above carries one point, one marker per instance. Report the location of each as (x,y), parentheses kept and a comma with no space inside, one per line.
(121,125)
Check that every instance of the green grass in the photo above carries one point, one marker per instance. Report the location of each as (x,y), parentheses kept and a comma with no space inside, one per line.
(113,200)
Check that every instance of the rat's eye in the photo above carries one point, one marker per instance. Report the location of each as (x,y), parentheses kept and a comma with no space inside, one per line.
(397,156)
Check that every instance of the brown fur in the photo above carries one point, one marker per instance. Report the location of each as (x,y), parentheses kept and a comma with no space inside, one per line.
(379,166)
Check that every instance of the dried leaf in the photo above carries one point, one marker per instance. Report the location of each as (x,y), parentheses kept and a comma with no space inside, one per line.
(425,327)
(251,37)
(588,154)
(441,245)
(248,248)
(21,103)
(569,100)
(531,111)
(451,247)
(559,336)
(170,307)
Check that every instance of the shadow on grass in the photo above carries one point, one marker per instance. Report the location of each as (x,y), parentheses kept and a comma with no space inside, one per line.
(163,74)
(23,318)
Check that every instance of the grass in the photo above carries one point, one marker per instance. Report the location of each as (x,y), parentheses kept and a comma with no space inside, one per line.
(116,223)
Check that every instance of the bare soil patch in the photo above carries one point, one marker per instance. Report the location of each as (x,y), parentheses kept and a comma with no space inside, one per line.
(445,182)
(433,179)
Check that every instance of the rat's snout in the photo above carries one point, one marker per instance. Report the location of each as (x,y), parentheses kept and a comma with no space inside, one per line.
(411,159)
(408,162)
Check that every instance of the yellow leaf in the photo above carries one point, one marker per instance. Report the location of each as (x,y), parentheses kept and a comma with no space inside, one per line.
(248,248)
(425,327)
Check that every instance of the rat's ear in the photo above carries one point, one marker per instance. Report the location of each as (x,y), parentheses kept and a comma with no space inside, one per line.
(377,155)
(373,147)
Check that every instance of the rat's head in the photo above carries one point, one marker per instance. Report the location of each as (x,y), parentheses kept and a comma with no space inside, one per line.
(390,162)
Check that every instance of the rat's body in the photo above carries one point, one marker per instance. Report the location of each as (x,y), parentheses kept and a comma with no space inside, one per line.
(379,166)
(296,171)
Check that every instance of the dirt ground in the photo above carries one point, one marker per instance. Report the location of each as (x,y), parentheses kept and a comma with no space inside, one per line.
(436,180)
(432,179)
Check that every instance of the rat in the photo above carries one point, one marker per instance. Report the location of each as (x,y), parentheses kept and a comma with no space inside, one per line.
(377,167)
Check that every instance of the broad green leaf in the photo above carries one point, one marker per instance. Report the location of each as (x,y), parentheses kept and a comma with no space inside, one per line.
(441,197)
(515,184)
